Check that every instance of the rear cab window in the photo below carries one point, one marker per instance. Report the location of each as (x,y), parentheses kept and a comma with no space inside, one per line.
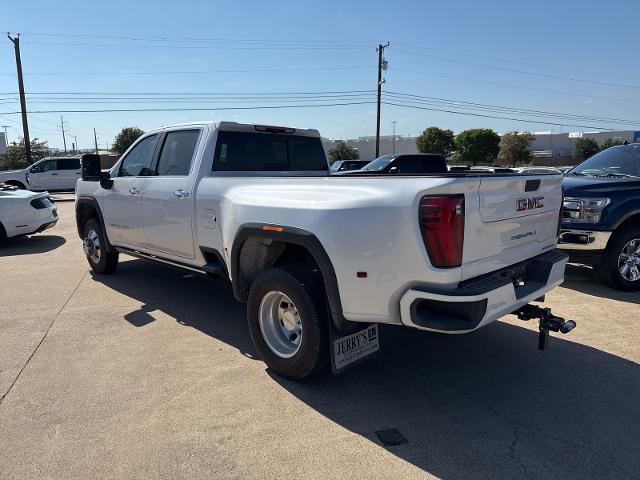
(257,151)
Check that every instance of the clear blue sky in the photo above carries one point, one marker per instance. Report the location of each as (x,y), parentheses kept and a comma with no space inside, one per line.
(515,54)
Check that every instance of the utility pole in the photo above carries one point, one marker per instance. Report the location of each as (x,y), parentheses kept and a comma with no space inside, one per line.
(382,65)
(23,102)
(75,144)
(394,135)
(64,139)
(95,139)
(6,137)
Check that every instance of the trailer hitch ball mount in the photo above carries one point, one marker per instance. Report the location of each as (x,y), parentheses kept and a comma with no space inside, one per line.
(548,322)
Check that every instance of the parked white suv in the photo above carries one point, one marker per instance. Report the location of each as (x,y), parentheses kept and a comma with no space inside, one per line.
(51,174)
(60,173)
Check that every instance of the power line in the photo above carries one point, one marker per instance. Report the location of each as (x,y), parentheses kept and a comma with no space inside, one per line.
(491,107)
(199,46)
(494,116)
(197,39)
(517,62)
(328,92)
(261,107)
(196,72)
(514,70)
(511,85)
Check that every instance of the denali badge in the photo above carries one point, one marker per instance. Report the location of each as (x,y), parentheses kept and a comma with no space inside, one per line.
(523,204)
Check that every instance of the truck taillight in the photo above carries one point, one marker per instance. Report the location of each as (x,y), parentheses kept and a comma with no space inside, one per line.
(442,225)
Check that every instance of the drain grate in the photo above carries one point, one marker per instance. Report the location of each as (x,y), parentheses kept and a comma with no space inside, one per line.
(391,437)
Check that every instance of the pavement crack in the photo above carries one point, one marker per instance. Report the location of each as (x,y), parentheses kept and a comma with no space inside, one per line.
(515,424)
(15,380)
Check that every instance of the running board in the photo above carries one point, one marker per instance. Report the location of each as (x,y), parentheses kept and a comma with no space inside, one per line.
(155,258)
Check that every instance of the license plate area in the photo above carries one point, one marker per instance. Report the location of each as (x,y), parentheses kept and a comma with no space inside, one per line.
(350,350)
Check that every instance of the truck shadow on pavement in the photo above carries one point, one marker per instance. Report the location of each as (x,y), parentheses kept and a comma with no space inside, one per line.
(483,405)
(205,304)
(31,245)
(582,278)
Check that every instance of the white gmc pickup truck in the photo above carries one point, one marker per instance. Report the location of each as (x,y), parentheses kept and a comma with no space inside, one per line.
(316,256)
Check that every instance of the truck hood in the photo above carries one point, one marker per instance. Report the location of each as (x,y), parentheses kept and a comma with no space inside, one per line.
(598,186)
(4,173)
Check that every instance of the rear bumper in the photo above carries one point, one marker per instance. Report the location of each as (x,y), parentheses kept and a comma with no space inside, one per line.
(482,300)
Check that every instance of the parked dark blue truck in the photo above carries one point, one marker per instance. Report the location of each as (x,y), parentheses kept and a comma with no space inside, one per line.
(601,217)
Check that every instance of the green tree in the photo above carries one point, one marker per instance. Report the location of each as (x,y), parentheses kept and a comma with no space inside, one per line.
(16,158)
(610,142)
(515,148)
(436,140)
(477,145)
(125,139)
(342,151)
(585,148)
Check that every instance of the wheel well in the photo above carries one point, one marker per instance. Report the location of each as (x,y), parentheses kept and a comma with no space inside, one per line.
(15,183)
(632,220)
(85,212)
(258,254)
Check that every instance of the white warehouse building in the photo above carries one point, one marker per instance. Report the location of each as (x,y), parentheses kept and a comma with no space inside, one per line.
(546,144)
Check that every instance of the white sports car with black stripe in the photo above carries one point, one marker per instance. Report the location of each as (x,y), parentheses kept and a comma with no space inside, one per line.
(25,213)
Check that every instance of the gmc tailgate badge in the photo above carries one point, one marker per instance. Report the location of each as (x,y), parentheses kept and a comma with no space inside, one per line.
(523,204)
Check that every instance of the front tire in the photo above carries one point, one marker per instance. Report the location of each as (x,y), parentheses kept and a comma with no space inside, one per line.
(94,245)
(287,319)
(620,265)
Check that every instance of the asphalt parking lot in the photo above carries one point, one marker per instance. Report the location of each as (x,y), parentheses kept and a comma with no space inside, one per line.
(150,373)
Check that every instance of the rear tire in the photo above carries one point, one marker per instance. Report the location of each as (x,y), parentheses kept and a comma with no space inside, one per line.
(288,322)
(17,184)
(94,245)
(620,264)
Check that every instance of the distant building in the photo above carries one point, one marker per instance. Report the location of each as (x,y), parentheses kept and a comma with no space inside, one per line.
(366,146)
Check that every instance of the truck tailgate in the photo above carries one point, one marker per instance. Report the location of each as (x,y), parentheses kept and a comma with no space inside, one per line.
(513,218)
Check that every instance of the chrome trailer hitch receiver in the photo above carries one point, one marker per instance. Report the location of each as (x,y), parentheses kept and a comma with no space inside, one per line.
(548,322)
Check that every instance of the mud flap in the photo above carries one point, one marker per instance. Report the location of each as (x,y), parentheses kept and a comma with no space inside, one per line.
(353,349)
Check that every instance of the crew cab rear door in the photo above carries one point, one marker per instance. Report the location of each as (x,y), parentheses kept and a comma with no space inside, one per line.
(167,197)
(514,218)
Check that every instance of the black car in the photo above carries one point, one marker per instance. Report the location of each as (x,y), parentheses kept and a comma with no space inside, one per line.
(402,164)
(601,215)
(346,165)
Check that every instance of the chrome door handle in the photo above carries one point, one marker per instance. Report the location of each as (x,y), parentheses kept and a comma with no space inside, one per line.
(181,193)
(134,191)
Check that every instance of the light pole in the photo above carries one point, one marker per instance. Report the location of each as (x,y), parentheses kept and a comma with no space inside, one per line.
(6,137)
(394,136)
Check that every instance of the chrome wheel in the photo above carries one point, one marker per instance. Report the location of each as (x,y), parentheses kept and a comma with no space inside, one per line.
(91,246)
(280,324)
(629,261)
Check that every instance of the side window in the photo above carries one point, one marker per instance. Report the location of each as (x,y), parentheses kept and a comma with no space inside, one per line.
(177,152)
(69,164)
(137,163)
(48,166)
